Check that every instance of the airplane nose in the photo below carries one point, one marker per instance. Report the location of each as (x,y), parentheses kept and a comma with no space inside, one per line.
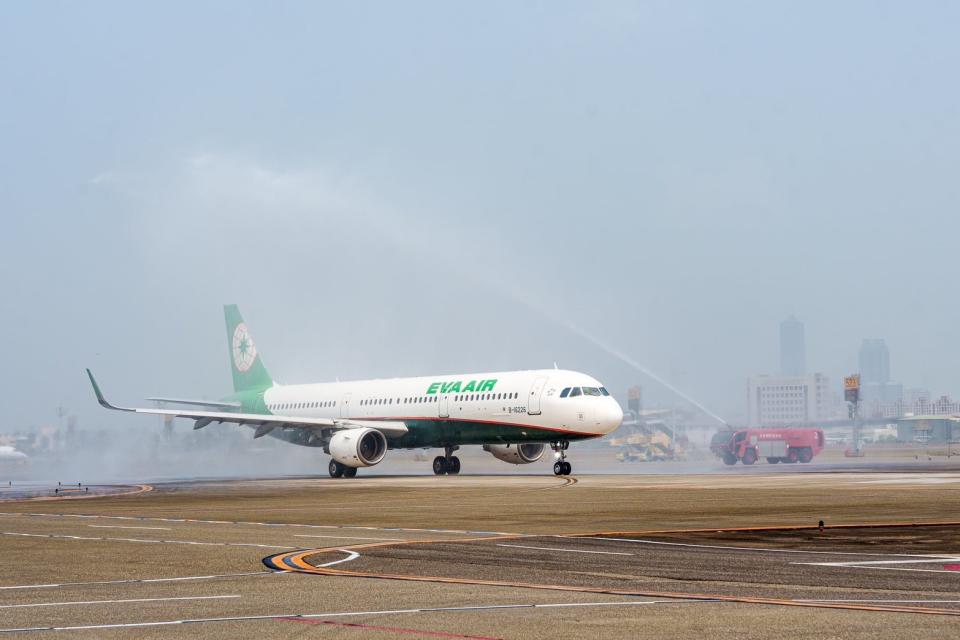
(610,416)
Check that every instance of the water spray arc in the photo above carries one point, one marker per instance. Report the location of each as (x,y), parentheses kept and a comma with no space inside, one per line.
(619,355)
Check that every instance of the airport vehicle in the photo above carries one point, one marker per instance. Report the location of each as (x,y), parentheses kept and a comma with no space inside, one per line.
(514,415)
(649,441)
(776,445)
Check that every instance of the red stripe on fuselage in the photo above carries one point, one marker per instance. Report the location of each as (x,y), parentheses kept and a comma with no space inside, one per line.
(585,434)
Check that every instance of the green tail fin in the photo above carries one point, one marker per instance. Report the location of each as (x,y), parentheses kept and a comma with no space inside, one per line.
(245,363)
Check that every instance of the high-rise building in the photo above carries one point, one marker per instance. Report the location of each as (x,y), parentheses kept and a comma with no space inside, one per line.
(793,348)
(877,393)
(874,361)
(788,400)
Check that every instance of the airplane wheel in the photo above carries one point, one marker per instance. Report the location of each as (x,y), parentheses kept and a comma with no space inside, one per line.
(439,465)
(558,468)
(453,465)
(567,468)
(336,469)
(349,472)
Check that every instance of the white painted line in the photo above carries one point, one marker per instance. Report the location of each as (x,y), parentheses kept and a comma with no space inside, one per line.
(262,524)
(206,544)
(759,549)
(606,553)
(60,585)
(119,526)
(865,563)
(307,535)
(346,614)
(353,555)
(86,602)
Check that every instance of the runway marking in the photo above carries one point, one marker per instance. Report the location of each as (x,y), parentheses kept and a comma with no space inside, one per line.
(865,563)
(295,561)
(351,555)
(607,553)
(144,540)
(897,601)
(307,535)
(398,630)
(760,549)
(567,482)
(342,614)
(85,602)
(60,585)
(253,524)
(120,526)
(140,488)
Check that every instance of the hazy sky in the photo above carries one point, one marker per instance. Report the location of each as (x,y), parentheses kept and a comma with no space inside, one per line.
(410,188)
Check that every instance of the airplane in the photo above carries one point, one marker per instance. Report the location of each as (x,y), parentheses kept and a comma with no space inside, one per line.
(513,415)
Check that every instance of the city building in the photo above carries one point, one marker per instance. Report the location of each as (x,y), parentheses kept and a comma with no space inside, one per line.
(878,395)
(874,361)
(793,348)
(788,400)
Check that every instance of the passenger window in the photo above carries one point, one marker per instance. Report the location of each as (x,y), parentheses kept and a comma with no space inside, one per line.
(565,392)
(575,392)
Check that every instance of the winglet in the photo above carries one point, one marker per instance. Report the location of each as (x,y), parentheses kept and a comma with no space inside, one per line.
(96,390)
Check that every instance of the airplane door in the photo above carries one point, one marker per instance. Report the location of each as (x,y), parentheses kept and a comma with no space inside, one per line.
(443,402)
(533,400)
(345,406)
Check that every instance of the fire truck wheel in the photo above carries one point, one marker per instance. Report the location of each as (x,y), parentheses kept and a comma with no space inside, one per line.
(792,456)
(773,460)
(749,457)
(806,455)
(730,459)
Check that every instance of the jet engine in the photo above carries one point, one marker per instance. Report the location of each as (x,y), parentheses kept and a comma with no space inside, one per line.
(358,447)
(515,453)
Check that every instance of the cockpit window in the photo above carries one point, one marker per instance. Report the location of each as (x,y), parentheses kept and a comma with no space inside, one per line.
(591,391)
(565,392)
(604,391)
(575,392)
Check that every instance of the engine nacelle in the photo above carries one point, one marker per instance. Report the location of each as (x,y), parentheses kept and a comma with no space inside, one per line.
(516,453)
(358,447)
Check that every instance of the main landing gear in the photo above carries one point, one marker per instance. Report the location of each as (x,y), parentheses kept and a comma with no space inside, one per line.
(447,463)
(561,467)
(338,470)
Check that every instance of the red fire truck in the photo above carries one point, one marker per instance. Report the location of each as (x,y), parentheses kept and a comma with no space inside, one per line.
(776,445)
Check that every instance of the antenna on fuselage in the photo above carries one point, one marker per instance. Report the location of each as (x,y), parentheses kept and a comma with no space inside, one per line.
(555,366)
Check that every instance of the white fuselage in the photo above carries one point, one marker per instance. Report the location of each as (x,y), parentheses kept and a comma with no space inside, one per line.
(527,403)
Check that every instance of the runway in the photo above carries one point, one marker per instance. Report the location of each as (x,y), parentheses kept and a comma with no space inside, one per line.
(490,557)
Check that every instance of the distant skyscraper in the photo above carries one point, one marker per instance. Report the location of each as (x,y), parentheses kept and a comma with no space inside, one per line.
(878,396)
(874,362)
(793,348)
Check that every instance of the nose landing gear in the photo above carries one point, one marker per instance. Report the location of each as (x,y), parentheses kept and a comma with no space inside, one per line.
(561,467)
(447,463)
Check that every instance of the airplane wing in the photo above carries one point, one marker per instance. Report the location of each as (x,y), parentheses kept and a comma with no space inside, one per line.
(264,423)
(197,403)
